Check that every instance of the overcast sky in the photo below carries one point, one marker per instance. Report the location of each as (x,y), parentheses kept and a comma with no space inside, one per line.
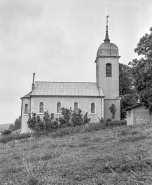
(59,39)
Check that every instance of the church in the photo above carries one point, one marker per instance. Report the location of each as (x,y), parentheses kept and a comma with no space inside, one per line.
(92,97)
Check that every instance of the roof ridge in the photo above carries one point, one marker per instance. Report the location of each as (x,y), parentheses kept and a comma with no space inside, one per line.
(62,82)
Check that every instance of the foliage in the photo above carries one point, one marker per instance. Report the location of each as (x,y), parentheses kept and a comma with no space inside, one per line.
(16,125)
(5,132)
(49,122)
(86,119)
(142,70)
(77,118)
(113,110)
(13,136)
(126,81)
(127,101)
(126,88)
(116,123)
(109,119)
(66,116)
(73,118)
(34,122)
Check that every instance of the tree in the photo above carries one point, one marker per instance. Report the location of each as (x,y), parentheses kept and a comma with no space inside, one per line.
(126,88)
(142,70)
(113,110)
(126,82)
(16,125)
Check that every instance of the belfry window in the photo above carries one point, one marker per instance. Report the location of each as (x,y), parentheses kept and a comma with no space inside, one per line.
(108,70)
(75,106)
(41,108)
(26,109)
(58,107)
(92,108)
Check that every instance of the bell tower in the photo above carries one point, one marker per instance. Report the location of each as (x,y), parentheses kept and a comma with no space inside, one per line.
(107,74)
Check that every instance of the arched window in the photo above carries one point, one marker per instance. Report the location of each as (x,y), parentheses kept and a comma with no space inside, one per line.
(41,108)
(75,106)
(58,107)
(92,107)
(26,109)
(108,70)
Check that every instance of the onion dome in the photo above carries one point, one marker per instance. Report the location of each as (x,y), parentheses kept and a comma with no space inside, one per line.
(107,49)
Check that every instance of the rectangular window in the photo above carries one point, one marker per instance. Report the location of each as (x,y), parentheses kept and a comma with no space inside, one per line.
(92,108)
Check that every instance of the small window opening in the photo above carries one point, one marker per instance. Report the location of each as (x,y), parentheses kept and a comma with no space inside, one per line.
(92,107)
(41,107)
(108,70)
(58,107)
(26,109)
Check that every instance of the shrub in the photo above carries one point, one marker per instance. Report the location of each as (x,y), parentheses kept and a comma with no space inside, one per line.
(17,136)
(113,110)
(5,132)
(66,116)
(109,119)
(35,122)
(77,118)
(86,119)
(48,123)
(116,123)
(73,118)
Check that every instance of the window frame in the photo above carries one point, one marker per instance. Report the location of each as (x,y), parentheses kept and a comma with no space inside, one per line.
(109,71)
(74,106)
(40,108)
(26,109)
(57,108)
(94,108)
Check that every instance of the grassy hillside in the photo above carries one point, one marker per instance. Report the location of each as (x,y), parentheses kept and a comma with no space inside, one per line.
(120,156)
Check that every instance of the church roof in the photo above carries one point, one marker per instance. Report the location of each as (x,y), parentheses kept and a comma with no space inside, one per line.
(107,49)
(66,89)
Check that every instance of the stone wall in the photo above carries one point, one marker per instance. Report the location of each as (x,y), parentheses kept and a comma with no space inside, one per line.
(84,103)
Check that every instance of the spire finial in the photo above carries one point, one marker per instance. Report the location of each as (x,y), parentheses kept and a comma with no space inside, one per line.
(107,36)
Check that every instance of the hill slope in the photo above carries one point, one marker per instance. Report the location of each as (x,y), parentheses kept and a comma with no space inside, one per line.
(119,156)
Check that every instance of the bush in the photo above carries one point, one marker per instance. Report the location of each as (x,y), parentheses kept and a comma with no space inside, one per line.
(116,123)
(77,118)
(17,136)
(73,118)
(113,110)
(109,119)
(48,123)
(86,119)
(5,132)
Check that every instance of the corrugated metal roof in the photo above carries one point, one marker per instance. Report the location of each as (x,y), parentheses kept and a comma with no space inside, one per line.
(66,89)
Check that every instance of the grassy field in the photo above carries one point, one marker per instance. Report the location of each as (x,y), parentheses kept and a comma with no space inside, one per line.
(118,156)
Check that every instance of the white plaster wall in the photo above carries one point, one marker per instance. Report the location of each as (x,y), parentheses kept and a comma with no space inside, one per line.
(130,117)
(50,105)
(24,119)
(109,85)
